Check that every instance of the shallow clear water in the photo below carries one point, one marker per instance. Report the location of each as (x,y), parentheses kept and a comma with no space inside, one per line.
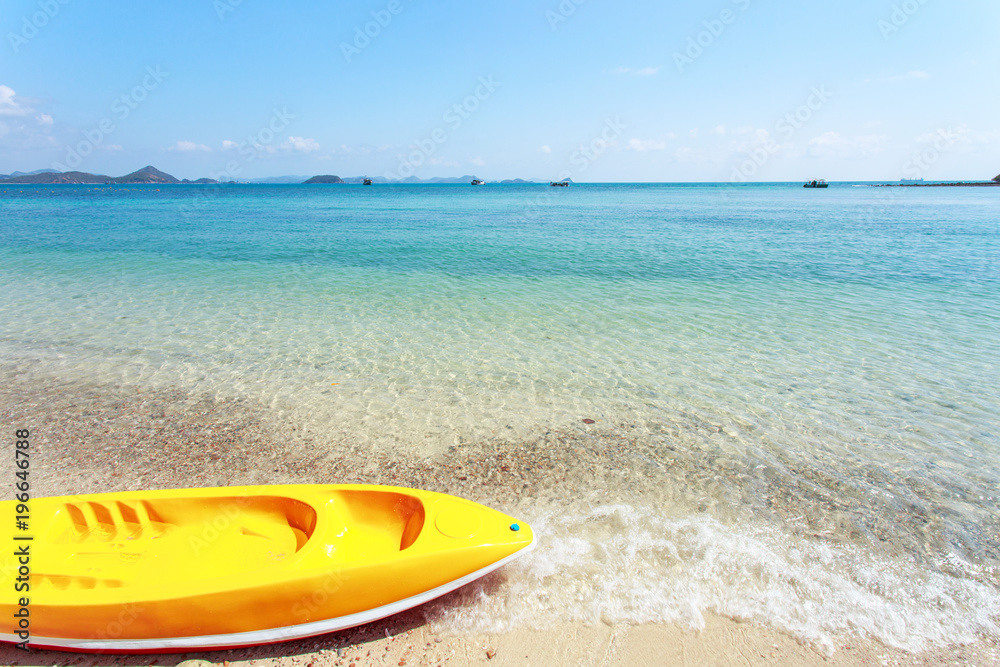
(794,367)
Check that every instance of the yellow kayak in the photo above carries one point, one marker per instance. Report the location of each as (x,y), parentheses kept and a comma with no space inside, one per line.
(154,571)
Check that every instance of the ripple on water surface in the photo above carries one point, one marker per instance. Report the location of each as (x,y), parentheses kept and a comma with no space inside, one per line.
(798,396)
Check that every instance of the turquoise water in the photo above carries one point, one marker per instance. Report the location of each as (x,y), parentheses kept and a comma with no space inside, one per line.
(834,354)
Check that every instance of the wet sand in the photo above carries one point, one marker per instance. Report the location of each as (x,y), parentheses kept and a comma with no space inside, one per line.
(95,438)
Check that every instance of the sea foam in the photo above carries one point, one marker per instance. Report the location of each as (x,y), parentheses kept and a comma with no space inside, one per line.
(623,564)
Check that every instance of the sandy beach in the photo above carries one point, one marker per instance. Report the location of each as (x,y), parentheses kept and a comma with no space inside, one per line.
(93,437)
(723,642)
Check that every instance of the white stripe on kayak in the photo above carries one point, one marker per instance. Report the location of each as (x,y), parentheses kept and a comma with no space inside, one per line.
(272,635)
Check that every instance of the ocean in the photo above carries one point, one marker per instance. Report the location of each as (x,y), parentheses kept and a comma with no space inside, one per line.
(776,404)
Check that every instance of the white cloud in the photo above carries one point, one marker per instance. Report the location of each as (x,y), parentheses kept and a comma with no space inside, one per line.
(836,144)
(689,155)
(719,131)
(989,137)
(228,145)
(913,74)
(961,134)
(364,149)
(478,161)
(642,145)
(545,149)
(10,105)
(24,128)
(189,147)
(750,139)
(642,71)
(828,139)
(301,144)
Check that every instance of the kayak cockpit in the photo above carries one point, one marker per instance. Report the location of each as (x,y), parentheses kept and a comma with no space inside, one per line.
(206,538)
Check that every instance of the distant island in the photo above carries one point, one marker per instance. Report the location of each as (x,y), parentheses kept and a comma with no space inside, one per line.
(358,180)
(324,180)
(956,184)
(150,175)
(147,175)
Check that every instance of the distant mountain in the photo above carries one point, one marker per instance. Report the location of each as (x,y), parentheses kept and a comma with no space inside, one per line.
(324,180)
(153,176)
(996,179)
(31,173)
(146,175)
(60,178)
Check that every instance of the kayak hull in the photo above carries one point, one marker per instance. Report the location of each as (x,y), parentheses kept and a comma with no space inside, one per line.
(176,570)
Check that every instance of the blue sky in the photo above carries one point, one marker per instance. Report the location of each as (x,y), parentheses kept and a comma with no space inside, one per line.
(590,89)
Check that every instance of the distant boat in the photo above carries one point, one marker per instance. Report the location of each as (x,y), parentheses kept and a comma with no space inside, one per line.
(476,181)
(367,181)
(559,184)
(821,183)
